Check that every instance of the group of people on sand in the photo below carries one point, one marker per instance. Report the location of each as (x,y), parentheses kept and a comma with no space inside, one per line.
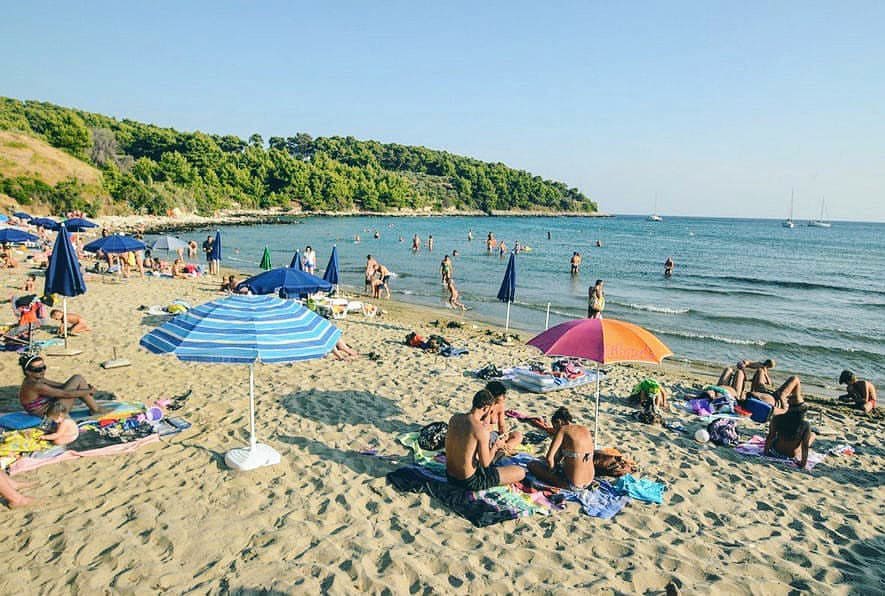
(476,440)
(377,277)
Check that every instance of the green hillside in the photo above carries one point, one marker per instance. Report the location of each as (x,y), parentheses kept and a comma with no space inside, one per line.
(149,169)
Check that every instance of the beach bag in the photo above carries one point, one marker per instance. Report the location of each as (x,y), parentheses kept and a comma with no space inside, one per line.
(414,340)
(759,410)
(723,431)
(433,436)
(611,462)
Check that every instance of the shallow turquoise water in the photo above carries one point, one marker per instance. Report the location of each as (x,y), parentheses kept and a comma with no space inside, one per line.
(812,298)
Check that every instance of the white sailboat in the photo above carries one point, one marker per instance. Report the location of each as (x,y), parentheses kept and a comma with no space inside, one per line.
(654,216)
(788,223)
(820,223)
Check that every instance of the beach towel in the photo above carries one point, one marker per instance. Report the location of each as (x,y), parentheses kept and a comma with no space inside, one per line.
(641,489)
(755,447)
(601,501)
(22,441)
(27,464)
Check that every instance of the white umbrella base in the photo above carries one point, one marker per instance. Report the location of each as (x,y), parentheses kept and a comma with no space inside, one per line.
(246,458)
(63,352)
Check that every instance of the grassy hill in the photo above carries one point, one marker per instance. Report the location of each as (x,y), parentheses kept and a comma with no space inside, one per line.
(65,158)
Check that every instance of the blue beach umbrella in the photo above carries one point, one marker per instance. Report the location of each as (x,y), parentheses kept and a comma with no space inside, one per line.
(331,273)
(78,224)
(15,236)
(115,244)
(286,280)
(63,274)
(296,262)
(45,222)
(507,293)
(23,215)
(246,330)
(4,217)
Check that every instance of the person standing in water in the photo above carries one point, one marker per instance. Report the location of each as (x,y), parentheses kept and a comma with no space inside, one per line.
(469,235)
(596,301)
(416,243)
(668,267)
(430,243)
(576,262)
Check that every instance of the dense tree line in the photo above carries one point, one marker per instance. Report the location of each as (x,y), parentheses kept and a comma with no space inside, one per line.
(151,169)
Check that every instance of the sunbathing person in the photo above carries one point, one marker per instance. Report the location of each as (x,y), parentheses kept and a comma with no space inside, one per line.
(9,490)
(789,435)
(468,455)
(77,324)
(569,461)
(497,421)
(342,351)
(862,393)
(779,398)
(178,270)
(761,381)
(37,392)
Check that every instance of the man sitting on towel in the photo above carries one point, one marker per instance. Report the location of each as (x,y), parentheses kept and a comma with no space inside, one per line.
(468,455)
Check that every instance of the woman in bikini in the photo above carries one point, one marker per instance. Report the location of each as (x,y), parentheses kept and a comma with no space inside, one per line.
(789,435)
(37,392)
(570,456)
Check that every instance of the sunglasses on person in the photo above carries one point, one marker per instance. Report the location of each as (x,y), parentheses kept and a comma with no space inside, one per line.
(37,369)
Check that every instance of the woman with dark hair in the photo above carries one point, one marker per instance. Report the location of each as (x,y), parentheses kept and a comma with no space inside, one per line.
(569,462)
(789,435)
(37,392)
(596,300)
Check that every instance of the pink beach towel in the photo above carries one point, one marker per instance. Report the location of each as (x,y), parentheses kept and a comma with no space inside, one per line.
(755,447)
(26,464)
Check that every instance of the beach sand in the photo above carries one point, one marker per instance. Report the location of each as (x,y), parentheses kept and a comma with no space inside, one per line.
(172,518)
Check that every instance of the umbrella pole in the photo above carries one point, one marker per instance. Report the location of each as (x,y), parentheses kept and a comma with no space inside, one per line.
(64,306)
(252,439)
(507,322)
(596,415)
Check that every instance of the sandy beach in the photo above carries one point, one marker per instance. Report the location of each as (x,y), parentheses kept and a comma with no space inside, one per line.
(172,518)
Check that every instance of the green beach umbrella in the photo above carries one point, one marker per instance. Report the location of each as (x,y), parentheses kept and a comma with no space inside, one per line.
(265,260)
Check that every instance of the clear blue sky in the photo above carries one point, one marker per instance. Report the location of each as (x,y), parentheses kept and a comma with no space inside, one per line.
(718,108)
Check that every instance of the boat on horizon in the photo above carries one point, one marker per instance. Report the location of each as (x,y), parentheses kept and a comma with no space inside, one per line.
(654,216)
(788,223)
(820,223)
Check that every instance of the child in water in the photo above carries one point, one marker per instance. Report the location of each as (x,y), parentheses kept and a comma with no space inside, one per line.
(65,429)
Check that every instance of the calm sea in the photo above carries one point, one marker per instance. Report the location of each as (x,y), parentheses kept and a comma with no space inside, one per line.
(812,298)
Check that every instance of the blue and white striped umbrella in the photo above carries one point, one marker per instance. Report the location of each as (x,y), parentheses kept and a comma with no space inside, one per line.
(245,330)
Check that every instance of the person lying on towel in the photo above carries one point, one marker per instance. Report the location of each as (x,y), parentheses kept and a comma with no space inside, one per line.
(569,462)
(468,454)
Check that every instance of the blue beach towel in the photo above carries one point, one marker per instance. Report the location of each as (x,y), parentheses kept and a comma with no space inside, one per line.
(641,489)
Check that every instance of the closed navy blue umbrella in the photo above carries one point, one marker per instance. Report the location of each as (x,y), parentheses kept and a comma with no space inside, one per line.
(14,236)
(331,272)
(507,293)
(63,274)
(215,253)
(296,263)
(115,244)
(78,224)
(287,281)
(45,222)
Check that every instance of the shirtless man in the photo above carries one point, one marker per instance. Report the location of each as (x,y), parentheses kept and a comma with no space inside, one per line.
(569,461)
(497,420)
(468,455)
(37,392)
(371,263)
(862,393)
(383,281)
(668,267)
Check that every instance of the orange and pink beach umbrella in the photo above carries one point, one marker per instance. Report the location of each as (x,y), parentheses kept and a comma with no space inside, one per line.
(604,341)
